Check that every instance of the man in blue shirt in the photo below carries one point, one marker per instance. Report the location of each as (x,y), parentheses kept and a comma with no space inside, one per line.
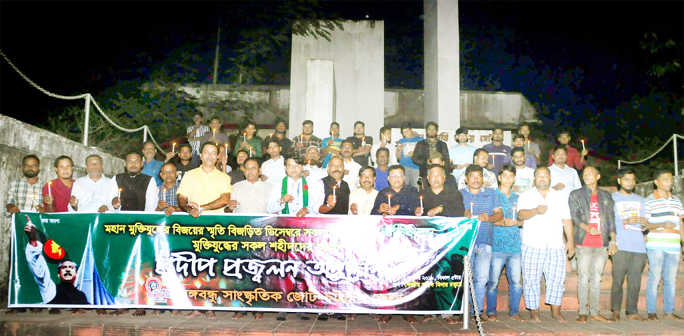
(151,166)
(332,144)
(483,203)
(382,171)
(506,248)
(406,147)
(462,154)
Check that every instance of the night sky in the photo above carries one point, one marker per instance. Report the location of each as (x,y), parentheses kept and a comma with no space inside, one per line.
(72,48)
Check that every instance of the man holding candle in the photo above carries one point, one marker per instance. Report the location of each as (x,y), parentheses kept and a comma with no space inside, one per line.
(168,198)
(351,167)
(421,154)
(89,193)
(302,142)
(630,259)
(205,189)
(530,158)
(563,178)
(498,152)
(362,144)
(481,158)
(524,175)
(593,217)
(249,142)
(293,196)
(483,203)
(531,147)
(663,245)
(336,191)
(361,200)
(575,159)
(546,216)
(397,199)
(506,244)
(331,145)
(462,154)
(273,169)
(151,165)
(214,134)
(385,142)
(436,159)
(133,190)
(58,191)
(251,195)
(280,137)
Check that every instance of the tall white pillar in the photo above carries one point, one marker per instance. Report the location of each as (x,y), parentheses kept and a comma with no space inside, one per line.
(441,63)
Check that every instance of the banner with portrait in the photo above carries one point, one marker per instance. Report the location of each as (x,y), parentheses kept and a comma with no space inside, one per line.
(347,264)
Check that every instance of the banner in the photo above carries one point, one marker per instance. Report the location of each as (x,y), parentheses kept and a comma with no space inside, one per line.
(345,264)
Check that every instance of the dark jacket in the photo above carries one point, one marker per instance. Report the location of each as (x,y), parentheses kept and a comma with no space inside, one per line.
(422,153)
(579,211)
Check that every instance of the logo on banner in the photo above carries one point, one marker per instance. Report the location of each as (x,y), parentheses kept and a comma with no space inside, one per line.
(53,250)
(156,291)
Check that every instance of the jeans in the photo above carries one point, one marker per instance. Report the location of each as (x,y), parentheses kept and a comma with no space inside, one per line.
(411,176)
(479,264)
(590,263)
(665,264)
(512,261)
(631,265)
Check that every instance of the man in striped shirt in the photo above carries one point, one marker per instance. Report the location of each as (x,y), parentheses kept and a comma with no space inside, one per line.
(664,212)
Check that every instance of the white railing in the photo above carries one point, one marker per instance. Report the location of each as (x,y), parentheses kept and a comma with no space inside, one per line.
(88,100)
(673,138)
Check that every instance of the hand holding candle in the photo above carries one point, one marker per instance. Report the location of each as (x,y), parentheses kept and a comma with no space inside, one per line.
(583,148)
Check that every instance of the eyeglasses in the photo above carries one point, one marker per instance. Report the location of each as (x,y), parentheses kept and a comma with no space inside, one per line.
(396,175)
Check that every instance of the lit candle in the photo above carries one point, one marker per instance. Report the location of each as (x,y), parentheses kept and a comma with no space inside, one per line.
(301,138)
(528,144)
(309,162)
(271,135)
(226,150)
(389,200)
(583,148)
(173,148)
(421,201)
(515,214)
(214,131)
(334,188)
(250,151)
(363,141)
(119,195)
(244,137)
(50,188)
(164,194)
(471,208)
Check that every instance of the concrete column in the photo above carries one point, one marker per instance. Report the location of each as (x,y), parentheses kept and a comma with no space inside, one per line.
(442,77)
(320,100)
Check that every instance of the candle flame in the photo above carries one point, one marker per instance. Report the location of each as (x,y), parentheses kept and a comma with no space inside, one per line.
(174,143)
(120,189)
(50,183)
(389,195)
(421,197)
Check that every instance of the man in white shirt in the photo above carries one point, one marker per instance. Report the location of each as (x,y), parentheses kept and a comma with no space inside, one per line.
(524,176)
(89,193)
(292,195)
(361,200)
(563,178)
(385,142)
(273,169)
(312,170)
(546,216)
(351,167)
(250,195)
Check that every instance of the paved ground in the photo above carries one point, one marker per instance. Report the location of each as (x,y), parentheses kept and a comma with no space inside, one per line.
(91,324)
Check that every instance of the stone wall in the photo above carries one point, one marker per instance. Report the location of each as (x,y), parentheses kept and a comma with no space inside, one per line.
(17,140)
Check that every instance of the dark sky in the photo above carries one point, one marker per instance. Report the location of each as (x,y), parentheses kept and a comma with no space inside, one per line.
(75,47)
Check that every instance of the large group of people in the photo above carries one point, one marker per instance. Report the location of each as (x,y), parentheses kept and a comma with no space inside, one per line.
(533,217)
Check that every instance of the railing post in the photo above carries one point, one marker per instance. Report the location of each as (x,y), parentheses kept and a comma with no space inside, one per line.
(465,283)
(87,120)
(676,155)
